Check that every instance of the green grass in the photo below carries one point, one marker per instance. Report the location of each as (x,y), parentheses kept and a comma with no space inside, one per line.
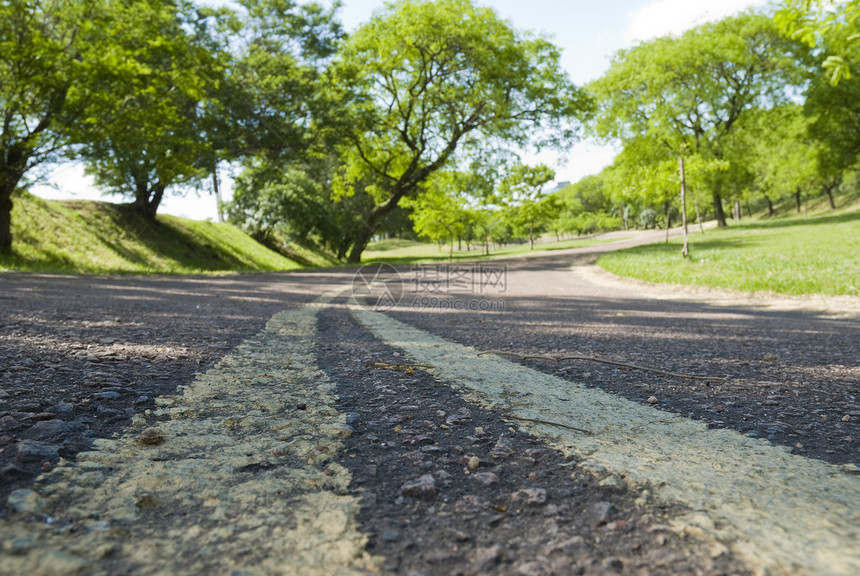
(814,255)
(396,251)
(100,238)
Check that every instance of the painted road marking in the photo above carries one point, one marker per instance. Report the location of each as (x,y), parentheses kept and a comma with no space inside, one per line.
(784,514)
(243,483)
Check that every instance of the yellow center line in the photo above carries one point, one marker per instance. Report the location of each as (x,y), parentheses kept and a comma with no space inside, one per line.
(783,513)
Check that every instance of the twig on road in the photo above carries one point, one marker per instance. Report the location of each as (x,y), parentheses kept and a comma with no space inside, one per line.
(408,369)
(548,423)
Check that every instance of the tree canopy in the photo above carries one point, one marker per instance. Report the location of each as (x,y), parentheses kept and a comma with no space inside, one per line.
(40,43)
(424,82)
(418,119)
(688,92)
(822,23)
(151,80)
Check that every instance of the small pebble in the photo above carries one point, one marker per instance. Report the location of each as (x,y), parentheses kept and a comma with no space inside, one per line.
(613,483)
(483,558)
(474,462)
(652,400)
(24,501)
(20,544)
(353,418)
(532,496)
(423,488)
(151,436)
(391,535)
(846,418)
(485,478)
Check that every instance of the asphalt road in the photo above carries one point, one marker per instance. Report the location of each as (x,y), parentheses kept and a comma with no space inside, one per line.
(736,415)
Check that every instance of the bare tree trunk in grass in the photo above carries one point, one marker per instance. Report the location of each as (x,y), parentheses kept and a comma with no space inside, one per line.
(699,216)
(829,188)
(719,213)
(668,219)
(770,210)
(219,203)
(6,224)
(685,251)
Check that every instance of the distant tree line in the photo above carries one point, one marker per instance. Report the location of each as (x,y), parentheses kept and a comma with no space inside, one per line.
(413,123)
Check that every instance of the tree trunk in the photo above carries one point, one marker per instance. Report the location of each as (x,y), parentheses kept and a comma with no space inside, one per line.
(699,216)
(797,198)
(359,243)
(365,233)
(770,210)
(154,202)
(5,222)
(13,163)
(685,251)
(531,237)
(146,199)
(828,189)
(719,213)
(668,221)
(219,203)
(342,248)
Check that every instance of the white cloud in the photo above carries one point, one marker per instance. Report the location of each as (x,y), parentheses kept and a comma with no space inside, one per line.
(675,16)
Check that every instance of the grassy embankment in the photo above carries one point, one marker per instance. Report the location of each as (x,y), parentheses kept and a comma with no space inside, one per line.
(102,238)
(818,254)
(410,251)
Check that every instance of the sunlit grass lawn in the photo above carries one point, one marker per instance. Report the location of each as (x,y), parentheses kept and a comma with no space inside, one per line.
(101,238)
(814,255)
(408,251)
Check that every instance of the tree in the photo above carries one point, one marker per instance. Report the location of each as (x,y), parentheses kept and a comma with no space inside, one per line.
(780,156)
(424,82)
(153,76)
(521,192)
(271,90)
(688,92)
(440,213)
(39,51)
(294,203)
(821,23)
(834,113)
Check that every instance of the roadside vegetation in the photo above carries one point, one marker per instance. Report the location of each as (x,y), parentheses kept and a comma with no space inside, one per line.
(103,238)
(395,251)
(413,126)
(817,254)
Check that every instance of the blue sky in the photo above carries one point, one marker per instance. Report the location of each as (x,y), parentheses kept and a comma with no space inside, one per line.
(588,31)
